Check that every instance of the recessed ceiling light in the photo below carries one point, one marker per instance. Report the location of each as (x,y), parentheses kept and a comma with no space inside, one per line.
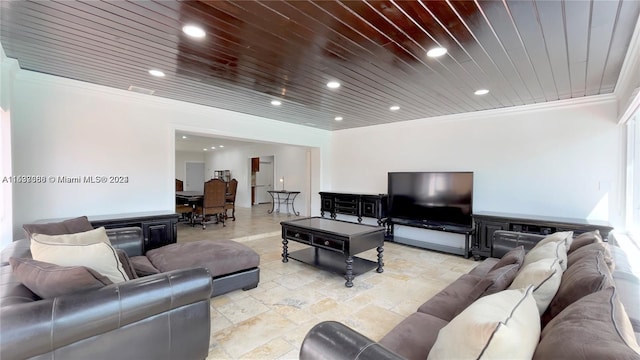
(338,118)
(205,149)
(436,52)
(213,148)
(184,136)
(221,146)
(194,31)
(276,102)
(481,92)
(394,108)
(157,73)
(333,84)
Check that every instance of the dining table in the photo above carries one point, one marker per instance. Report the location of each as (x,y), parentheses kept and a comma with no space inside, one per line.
(193,198)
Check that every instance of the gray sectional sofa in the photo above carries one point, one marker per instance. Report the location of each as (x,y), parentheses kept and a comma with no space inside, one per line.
(597,278)
(160,316)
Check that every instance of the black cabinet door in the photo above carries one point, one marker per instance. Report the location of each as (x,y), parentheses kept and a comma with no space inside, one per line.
(156,234)
(484,237)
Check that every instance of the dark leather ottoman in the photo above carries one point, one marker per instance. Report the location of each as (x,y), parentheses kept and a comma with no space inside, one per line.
(232,265)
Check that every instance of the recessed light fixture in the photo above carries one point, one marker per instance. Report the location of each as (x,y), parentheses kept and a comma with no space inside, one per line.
(333,84)
(184,136)
(213,148)
(156,73)
(205,149)
(338,118)
(481,92)
(194,31)
(276,102)
(436,52)
(221,146)
(394,108)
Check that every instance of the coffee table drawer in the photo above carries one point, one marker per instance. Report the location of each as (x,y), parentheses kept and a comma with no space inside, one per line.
(300,236)
(328,242)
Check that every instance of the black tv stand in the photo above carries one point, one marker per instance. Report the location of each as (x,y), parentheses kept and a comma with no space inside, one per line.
(466,231)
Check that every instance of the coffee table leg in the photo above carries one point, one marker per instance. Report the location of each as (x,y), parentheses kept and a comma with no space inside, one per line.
(349,273)
(380,263)
(285,253)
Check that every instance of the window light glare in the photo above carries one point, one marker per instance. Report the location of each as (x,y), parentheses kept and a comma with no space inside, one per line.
(156,73)
(276,102)
(394,108)
(333,84)
(436,52)
(338,118)
(194,31)
(481,92)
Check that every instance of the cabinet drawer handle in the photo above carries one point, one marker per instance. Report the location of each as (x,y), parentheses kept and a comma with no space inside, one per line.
(326,243)
(297,235)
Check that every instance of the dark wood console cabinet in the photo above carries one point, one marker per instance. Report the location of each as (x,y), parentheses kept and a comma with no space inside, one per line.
(359,205)
(486,223)
(158,228)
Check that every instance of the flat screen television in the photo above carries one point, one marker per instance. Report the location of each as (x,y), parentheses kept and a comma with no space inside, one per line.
(431,198)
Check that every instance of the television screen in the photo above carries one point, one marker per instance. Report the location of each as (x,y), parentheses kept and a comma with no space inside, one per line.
(431,198)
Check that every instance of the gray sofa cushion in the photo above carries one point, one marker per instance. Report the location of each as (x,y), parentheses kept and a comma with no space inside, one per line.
(456,297)
(585,276)
(414,337)
(142,266)
(220,257)
(514,256)
(501,278)
(49,280)
(587,250)
(484,267)
(585,239)
(594,327)
(69,226)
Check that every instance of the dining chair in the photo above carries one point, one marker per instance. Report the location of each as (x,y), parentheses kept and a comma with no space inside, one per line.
(185,210)
(230,203)
(213,201)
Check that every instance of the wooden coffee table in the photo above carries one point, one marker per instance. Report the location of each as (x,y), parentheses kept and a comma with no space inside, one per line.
(333,245)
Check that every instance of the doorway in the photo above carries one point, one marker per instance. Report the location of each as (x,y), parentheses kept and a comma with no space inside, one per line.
(262,179)
(194,176)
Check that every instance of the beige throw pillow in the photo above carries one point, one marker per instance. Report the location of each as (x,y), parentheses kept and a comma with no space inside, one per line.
(545,275)
(74,250)
(561,236)
(82,238)
(549,250)
(504,325)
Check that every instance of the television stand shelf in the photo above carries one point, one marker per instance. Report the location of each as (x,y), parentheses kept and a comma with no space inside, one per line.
(466,231)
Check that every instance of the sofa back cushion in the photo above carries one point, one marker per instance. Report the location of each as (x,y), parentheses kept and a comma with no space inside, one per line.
(501,278)
(514,256)
(590,250)
(548,250)
(585,239)
(69,226)
(49,280)
(456,297)
(504,325)
(583,277)
(594,327)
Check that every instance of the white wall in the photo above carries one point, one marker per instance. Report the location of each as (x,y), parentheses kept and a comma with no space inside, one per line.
(181,160)
(289,161)
(559,159)
(62,127)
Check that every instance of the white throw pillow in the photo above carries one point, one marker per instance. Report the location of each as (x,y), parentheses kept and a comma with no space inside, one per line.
(560,236)
(504,325)
(545,275)
(549,250)
(82,238)
(99,256)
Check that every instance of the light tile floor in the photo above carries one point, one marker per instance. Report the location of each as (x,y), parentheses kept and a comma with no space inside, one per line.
(270,322)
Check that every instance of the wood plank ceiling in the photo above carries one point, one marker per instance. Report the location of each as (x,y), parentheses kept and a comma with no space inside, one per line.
(523,52)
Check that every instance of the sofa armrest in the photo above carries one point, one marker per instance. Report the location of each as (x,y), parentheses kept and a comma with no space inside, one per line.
(504,240)
(129,239)
(45,326)
(335,341)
